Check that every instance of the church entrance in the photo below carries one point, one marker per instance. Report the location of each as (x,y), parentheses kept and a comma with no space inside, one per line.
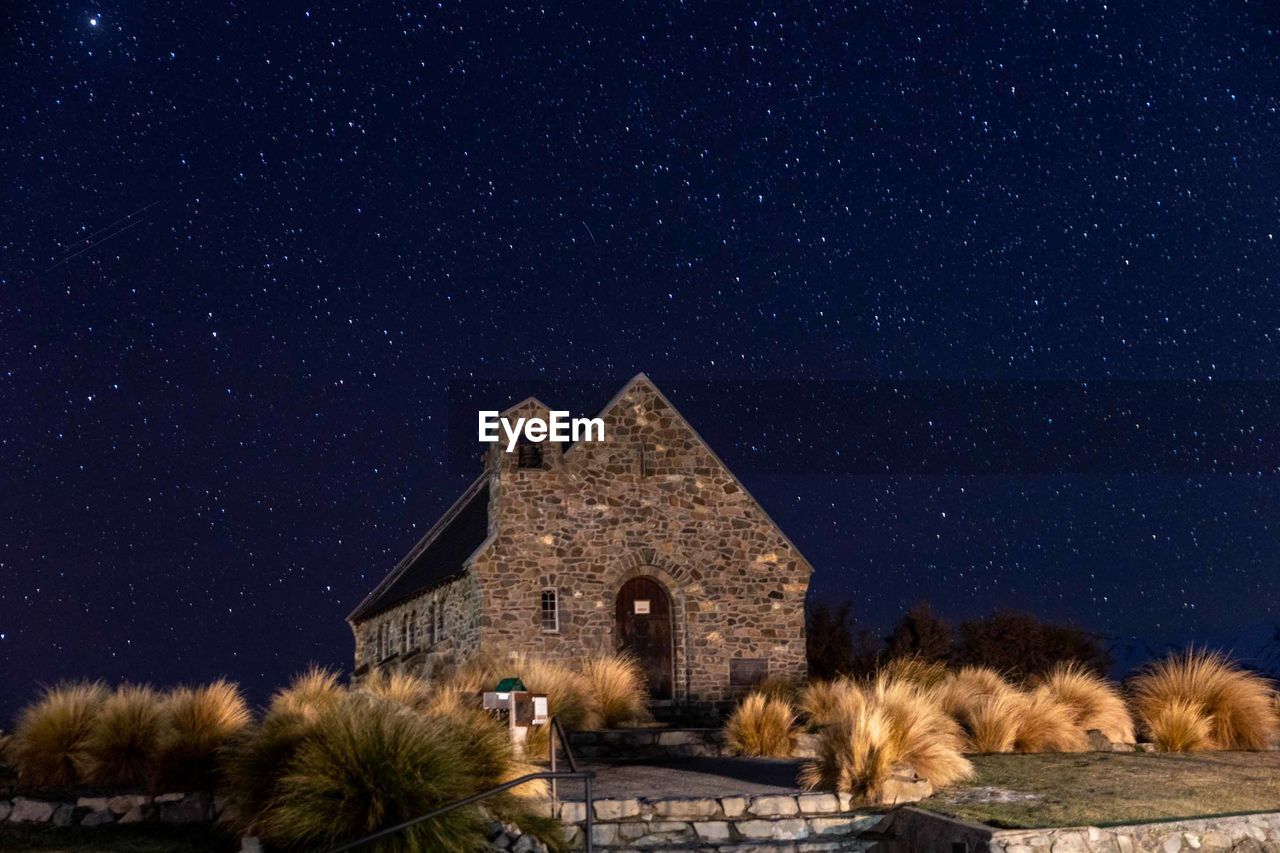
(644,629)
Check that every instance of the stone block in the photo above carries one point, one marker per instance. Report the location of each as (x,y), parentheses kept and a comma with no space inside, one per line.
(616,809)
(63,814)
(1215,841)
(169,798)
(5,808)
(93,804)
(714,830)
(773,806)
(733,806)
(842,825)
(899,789)
(192,809)
(30,811)
(250,844)
(97,818)
(788,829)
(134,815)
(686,808)
(573,812)
(678,738)
(818,803)
(127,802)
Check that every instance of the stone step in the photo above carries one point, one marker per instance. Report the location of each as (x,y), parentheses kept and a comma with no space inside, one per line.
(647,744)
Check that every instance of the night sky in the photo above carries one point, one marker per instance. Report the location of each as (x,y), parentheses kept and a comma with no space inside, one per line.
(250,251)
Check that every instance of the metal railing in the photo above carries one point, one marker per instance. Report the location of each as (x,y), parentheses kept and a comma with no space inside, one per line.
(552,776)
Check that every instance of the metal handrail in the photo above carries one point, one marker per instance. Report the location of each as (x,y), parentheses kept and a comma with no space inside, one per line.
(586,777)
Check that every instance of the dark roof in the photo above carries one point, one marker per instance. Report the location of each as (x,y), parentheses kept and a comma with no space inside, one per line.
(438,556)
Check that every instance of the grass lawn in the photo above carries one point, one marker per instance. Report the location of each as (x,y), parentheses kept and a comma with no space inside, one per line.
(154,838)
(1100,788)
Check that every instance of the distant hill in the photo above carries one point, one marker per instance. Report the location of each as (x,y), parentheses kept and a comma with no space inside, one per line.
(1256,646)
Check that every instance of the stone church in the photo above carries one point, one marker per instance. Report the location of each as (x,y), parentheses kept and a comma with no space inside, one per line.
(644,542)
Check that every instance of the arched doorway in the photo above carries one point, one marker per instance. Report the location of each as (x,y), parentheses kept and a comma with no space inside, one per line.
(643,615)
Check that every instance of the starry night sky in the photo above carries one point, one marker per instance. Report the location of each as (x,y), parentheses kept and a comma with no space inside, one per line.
(247,248)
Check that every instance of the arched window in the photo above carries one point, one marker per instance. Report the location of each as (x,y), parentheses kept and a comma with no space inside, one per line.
(432,634)
(411,629)
(381,643)
(550,611)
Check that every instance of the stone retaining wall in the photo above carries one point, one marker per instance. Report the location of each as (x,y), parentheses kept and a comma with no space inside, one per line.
(915,829)
(122,808)
(652,744)
(778,821)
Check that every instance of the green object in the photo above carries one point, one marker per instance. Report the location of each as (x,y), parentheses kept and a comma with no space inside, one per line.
(512,685)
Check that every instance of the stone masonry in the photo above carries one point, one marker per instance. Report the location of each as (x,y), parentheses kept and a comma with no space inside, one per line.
(651,500)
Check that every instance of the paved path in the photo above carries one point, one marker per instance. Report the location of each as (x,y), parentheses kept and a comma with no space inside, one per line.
(690,777)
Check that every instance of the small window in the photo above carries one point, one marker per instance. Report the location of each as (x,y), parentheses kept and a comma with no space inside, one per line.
(382,641)
(528,455)
(747,672)
(550,611)
(411,630)
(432,636)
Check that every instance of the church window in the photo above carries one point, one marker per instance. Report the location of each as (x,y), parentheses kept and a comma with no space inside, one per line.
(550,611)
(409,629)
(432,636)
(747,672)
(528,455)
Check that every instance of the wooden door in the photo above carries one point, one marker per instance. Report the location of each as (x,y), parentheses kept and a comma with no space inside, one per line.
(644,629)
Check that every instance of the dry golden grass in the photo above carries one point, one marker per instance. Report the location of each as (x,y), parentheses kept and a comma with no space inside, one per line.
(1094,702)
(123,743)
(916,670)
(408,691)
(762,726)
(1236,703)
(819,700)
(618,691)
(309,693)
(1022,721)
(962,693)
(48,745)
(873,732)
(198,722)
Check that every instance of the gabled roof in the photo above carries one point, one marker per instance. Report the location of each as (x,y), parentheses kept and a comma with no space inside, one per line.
(440,555)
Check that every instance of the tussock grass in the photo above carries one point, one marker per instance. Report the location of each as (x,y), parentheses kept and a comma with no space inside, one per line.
(367,765)
(877,730)
(1169,694)
(408,691)
(48,748)
(1045,724)
(309,693)
(1094,702)
(122,746)
(199,722)
(568,691)
(762,726)
(915,670)
(819,700)
(965,691)
(617,689)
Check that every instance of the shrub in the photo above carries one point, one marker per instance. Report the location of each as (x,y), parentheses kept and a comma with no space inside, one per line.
(1094,702)
(992,722)
(48,745)
(618,689)
(1023,721)
(964,692)
(198,722)
(1236,703)
(922,634)
(761,726)
(121,748)
(872,733)
(1021,645)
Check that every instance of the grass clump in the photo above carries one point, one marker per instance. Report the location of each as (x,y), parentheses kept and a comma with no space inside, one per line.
(762,725)
(820,699)
(198,723)
(1094,703)
(876,731)
(618,689)
(49,744)
(123,743)
(366,765)
(1235,705)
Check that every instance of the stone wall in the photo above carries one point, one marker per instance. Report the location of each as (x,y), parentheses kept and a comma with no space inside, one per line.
(651,500)
(914,829)
(103,811)
(457,639)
